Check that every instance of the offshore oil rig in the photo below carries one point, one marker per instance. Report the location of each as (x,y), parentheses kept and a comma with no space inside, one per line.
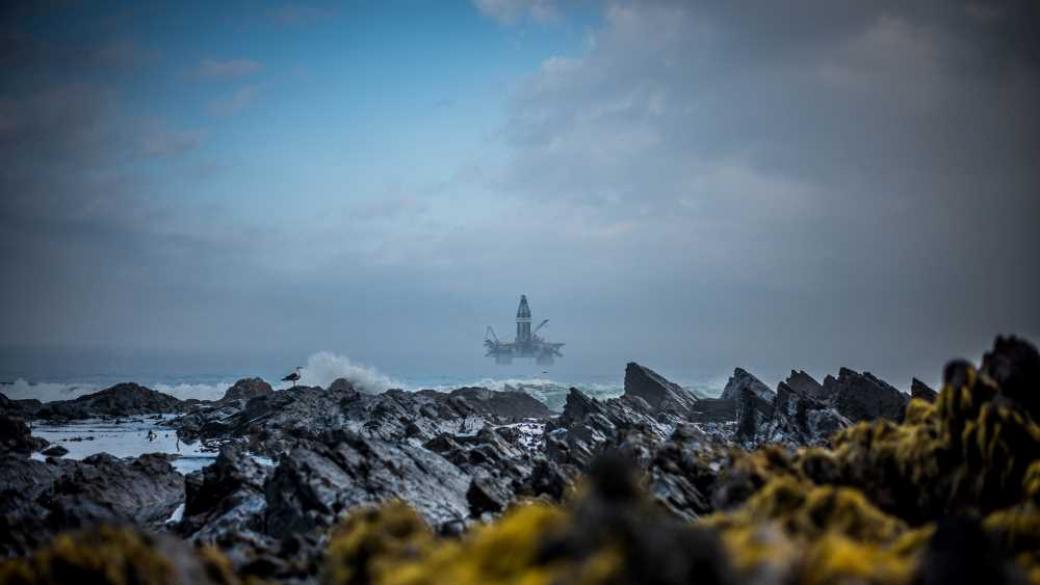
(527,343)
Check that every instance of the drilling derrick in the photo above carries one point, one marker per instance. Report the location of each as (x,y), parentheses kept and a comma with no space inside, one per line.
(523,321)
(527,343)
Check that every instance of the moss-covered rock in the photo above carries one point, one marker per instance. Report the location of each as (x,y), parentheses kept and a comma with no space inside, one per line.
(112,555)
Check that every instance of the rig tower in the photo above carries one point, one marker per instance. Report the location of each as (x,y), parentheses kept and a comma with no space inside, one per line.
(527,343)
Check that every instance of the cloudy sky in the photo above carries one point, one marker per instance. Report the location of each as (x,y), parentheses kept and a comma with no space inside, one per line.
(694,185)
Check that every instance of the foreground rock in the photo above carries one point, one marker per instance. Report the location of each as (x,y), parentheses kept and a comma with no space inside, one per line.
(40,499)
(119,401)
(854,514)
(15,436)
(115,555)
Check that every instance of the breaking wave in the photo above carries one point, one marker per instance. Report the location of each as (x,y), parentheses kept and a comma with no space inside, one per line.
(186,391)
(324,367)
(22,389)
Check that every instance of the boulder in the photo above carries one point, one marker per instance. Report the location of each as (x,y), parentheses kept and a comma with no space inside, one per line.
(658,392)
(502,405)
(121,400)
(805,385)
(246,389)
(922,391)
(39,499)
(55,451)
(343,385)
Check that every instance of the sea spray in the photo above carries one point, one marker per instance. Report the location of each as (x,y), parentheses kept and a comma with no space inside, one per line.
(324,367)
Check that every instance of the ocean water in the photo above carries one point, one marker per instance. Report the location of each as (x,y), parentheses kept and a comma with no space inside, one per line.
(125,438)
(130,437)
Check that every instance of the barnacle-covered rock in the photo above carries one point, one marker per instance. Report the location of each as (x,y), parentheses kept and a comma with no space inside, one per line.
(900,502)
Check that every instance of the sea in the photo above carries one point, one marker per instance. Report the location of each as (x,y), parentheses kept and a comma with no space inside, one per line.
(137,435)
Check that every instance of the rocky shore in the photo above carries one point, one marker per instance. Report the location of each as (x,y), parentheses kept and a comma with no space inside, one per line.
(848,480)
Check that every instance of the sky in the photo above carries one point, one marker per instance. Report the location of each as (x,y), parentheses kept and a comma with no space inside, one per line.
(197,186)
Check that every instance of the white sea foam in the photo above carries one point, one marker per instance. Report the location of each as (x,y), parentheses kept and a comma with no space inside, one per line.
(185,391)
(324,367)
(51,391)
(22,389)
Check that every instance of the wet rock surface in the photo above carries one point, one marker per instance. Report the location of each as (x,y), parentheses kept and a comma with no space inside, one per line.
(41,499)
(294,463)
(15,436)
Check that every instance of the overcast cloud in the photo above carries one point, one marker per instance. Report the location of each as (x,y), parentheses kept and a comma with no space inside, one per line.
(694,185)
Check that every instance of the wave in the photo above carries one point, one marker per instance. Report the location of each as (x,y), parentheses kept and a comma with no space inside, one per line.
(22,389)
(187,391)
(325,367)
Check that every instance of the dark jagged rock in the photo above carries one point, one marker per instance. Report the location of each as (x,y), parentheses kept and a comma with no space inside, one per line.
(318,480)
(683,472)
(24,408)
(741,380)
(15,436)
(921,391)
(145,490)
(863,397)
(266,420)
(797,419)
(246,389)
(588,427)
(753,412)
(805,385)
(502,405)
(40,499)
(121,400)
(659,393)
(713,410)
(227,496)
(499,462)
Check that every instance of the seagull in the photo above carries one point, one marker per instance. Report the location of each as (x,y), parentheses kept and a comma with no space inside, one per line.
(293,377)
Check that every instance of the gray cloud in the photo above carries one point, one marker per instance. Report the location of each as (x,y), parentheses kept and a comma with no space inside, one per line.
(808,185)
(821,183)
